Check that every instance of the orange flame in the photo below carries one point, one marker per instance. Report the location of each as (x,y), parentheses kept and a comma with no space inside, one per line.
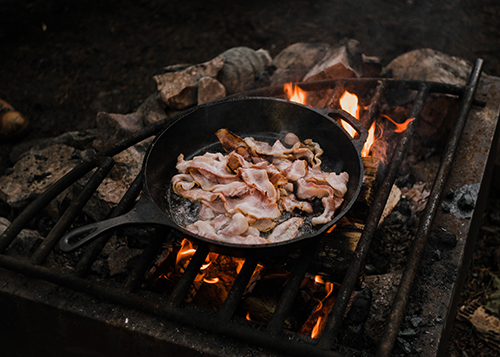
(294,93)
(186,252)
(369,141)
(211,281)
(248,317)
(399,127)
(330,230)
(349,103)
(205,266)
(316,329)
(239,263)
(318,279)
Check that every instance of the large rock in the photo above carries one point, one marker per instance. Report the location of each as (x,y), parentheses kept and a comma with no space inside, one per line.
(242,68)
(113,128)
(127,166)
(429,65)
(179,89)
(293,63)
(35,172)
(342,61)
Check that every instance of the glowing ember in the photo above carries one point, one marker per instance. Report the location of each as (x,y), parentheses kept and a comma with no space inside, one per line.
(239,263)
(331,228)
(399,127)
(294,93)
(318,279)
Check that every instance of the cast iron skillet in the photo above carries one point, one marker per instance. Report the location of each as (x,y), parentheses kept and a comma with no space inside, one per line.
(194,134)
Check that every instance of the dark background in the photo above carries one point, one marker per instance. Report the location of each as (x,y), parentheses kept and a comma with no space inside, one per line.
(63,61)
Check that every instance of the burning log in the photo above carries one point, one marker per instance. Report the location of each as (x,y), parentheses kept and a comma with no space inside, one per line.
(338,249)
(316,321)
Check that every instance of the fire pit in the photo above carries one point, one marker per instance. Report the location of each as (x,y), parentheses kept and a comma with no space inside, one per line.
(320,300)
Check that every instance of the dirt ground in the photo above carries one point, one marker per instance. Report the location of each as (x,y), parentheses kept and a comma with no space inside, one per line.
(61,62)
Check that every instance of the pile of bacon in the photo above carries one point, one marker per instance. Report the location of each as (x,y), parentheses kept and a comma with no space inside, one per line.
(244,192)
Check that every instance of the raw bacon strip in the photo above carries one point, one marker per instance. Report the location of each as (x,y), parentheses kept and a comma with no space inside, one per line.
(236,188)
(286,230)
(235,160)
(231,141)
(336,181)
(206,213)
(259,180)
(307,190)
(331,203)
(217,206)
(296,170)
(263,225)
(290,202)
(181,165)
(316,150)
(237,226)
(215,164)
(255,205)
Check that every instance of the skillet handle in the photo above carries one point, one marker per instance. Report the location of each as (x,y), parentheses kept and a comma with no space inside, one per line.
(144,212)
(336,114)
(77,237)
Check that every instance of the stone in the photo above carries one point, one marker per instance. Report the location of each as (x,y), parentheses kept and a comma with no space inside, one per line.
(293,63)
(151,110)
(210,89)
(81,140)
(179,90)
(342,61)
(113,128)
(25,243)
(242,68)
(128,165)
(118,260)
(34,173)
(429,65)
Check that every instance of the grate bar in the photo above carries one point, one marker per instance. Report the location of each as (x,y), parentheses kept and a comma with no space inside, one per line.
(335,317)
(401,300)
(291,288)
(95,247)
(187,278)
(371,114)
(237,290)
(41,201)
(71,212)
(147,257)
(354,83)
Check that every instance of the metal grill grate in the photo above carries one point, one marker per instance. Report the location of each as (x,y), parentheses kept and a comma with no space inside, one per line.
(271,335)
